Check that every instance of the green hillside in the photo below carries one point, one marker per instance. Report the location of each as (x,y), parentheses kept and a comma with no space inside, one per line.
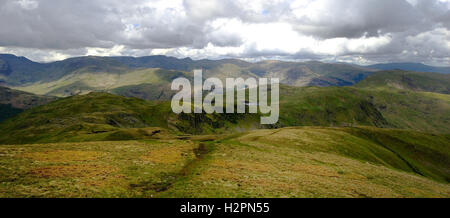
(83,117)
(96,116)
(416,81)
(84,81)
(327,106)
(7,111)
(22,100)
(145,91)
(84,74)
(103,116)
(349,106)
(12,102)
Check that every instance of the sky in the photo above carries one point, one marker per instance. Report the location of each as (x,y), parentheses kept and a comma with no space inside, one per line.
(355,31)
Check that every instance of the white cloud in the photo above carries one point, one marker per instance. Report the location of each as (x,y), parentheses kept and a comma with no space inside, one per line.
(349,30)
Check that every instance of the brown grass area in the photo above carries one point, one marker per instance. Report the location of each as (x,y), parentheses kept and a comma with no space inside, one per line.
(243,165)
(74,171)
(245,180)
(314,170)
(58,156)
(112,180)
(253,175)
(169,154)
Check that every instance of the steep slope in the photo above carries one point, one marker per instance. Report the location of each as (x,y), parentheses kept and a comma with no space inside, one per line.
(424,111)
(327,106)
(416,81)
(22,100)
(81,117)
(103,116)
(350,106)
(418,67)
(13,102)
(411,100)
(98,115)
(19,70)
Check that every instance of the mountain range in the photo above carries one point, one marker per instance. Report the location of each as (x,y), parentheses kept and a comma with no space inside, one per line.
(84,74)
(135,76)
(103,126)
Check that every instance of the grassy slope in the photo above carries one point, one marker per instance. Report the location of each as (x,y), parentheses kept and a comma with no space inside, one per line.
(146,91)
(84,80)
(7,111)
(429,112)
(103,116)
(335,106)
(84,117)
(288,162)
(22,100)
(344,106)
(416,81)
(97,115)
(411,100)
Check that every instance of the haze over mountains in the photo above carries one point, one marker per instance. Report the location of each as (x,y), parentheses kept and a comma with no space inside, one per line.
(137,76)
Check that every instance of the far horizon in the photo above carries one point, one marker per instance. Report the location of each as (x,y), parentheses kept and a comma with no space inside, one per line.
(230,58)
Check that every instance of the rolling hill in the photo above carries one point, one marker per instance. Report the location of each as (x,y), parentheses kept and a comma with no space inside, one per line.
(103,116)
(90,73)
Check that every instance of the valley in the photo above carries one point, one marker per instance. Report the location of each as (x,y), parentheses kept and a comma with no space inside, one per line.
(103,127)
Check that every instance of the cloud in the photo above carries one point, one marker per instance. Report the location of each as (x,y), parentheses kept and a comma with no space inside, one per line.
(353,18)
(338,30)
